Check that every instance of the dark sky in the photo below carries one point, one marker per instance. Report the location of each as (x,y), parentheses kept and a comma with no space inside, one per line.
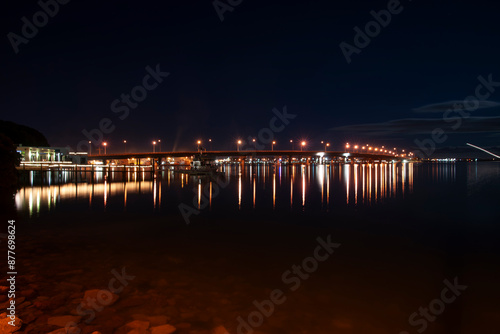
(227,76)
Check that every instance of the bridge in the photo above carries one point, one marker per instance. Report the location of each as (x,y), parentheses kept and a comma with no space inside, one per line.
(284,154)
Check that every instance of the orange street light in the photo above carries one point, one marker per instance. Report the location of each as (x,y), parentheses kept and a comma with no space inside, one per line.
(302,145)
(239,143)
(154,146)
(105,145)
(272,145)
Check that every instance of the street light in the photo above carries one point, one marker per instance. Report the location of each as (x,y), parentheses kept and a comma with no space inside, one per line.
(125,142)
(272,145)
(210,141)
(154,146)
(327,145)
(159,143)
(199,143)
(105,145)
(90,147)
(239,143)
(254,144)
(347,146)
(291,141)
(302,145)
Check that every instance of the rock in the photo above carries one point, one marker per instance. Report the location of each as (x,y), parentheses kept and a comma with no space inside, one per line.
(71,272)
(220,330)
(157,320)
(164,329)
(138,324)
(70,286)
(59,331)
(187,315)
(29,293)
(5,327)
(139,331)
(183,325)
(161,283)
(71,330)
(101,297)
(140,316)
(23,305)
(62,321)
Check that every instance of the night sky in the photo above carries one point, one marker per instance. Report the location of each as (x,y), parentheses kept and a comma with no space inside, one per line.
(226,77)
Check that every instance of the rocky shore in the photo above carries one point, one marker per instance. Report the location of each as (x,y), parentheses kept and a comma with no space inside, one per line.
(62,311)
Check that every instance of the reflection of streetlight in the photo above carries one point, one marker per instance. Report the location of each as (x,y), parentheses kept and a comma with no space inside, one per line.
(272,145)
(302,145)
(125,142)
(239,143)
(105,145)
(154,146)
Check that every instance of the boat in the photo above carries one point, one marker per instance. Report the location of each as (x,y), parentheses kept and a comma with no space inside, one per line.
(200,165)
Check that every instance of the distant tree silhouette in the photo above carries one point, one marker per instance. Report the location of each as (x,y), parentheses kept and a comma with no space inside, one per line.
(20,134)
(9,159)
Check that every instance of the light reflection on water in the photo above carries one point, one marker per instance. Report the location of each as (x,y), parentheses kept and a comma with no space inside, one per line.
(274,187)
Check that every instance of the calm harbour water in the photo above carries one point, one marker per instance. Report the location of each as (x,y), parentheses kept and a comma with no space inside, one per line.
(403,228)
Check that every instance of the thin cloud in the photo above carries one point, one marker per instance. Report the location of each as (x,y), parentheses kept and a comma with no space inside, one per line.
(411,126)
(454,105)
